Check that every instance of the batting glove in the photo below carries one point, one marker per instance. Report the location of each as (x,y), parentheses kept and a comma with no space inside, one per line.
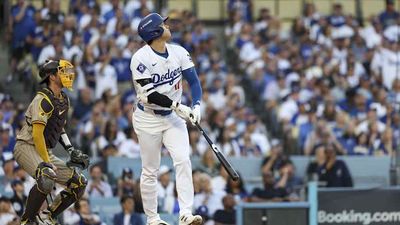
(142,98)
(182,110)
(195,116)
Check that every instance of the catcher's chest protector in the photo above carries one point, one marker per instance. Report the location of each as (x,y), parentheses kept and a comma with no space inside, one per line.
(57,119)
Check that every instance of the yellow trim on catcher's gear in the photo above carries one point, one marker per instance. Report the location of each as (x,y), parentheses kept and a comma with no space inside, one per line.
(67,73)
(39,141)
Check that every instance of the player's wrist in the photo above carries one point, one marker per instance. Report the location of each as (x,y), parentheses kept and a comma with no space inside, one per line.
(174,105)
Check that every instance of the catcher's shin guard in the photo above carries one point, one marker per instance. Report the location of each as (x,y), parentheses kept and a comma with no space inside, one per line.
(75,189)
(45,180)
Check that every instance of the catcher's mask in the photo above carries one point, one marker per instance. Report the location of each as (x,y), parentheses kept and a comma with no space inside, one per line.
(61,67)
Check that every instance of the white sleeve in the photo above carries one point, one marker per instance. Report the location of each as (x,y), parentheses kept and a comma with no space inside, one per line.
(139,70)
(185,58)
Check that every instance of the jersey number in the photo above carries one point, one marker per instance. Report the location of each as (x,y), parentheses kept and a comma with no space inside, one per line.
(177,86)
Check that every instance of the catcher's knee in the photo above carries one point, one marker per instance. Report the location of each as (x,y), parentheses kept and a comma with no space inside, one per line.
(45,178)
(77,184)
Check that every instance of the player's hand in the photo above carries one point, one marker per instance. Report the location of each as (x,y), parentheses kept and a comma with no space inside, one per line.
(183,111)
(142,98)
(195,116)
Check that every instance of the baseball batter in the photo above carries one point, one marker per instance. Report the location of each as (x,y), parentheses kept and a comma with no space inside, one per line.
(157,70)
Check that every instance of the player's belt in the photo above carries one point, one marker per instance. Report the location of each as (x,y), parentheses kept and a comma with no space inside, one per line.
(158,112)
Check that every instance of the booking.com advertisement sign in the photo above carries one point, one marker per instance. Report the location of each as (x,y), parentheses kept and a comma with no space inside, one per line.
(359,207)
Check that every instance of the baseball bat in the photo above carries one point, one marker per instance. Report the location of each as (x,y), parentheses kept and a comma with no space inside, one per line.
(228,167)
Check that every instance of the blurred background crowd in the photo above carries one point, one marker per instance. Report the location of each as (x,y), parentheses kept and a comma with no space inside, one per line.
(327,86)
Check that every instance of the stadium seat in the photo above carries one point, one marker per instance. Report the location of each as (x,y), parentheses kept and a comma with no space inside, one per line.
(105,207)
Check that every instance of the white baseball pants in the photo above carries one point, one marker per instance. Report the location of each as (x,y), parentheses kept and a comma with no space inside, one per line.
(153,131)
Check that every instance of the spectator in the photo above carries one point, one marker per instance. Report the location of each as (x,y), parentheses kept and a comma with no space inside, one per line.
(112,136)
(219,182)
(19,198)
(237,189)
(165,187)
(205,215)
(362,147)
(21,23)
(129,147)
(390,15)
(27,181)
(289,180)
(319,161)
(71,217)
(126,185)
(127,216)
(321,135)
(7,214)
(83,106)
(270,192)
(8,173)
(7,142)
(334,172)
(97,187)
(208,164)
(82,207)
(226,216)
(206,196)
(105,76)
(276,158)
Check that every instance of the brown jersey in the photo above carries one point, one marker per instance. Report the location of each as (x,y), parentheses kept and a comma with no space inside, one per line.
(45,108)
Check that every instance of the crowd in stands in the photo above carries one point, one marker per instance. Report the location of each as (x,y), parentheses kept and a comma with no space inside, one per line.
(328,86)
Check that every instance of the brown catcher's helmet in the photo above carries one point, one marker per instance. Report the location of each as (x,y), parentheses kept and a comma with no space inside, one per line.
(48,68)
(62,67)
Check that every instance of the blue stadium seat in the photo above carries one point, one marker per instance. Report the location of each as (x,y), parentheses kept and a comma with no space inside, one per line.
(105,207)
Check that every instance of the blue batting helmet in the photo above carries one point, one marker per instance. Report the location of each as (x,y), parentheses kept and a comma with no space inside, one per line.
(150,27)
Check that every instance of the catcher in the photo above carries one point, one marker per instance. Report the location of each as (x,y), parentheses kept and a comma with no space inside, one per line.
(43,128)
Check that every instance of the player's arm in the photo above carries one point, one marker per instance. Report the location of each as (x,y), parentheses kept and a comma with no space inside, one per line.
(39,141)
(42,109)
(191,77)
(77,158)
(152,95)
(64,141)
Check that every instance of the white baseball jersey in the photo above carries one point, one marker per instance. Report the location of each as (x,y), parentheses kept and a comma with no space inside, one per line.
(166,73)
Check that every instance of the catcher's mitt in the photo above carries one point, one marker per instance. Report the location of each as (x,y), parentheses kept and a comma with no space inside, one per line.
(78,159)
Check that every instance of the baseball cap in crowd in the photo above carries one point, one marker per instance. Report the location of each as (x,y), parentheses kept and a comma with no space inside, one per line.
(15,182)
(164,169)
(127,170)
(202,211)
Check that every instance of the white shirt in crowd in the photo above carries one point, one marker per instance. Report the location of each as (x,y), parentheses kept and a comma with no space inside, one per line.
(127,219)
(105,79)
(387,63)
(47,52)
(104,186)
(214,201)
(129,148)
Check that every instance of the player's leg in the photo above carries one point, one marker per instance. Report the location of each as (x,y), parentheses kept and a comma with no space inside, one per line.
(75,187)
(150,146)
(27,157)
(176,140)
